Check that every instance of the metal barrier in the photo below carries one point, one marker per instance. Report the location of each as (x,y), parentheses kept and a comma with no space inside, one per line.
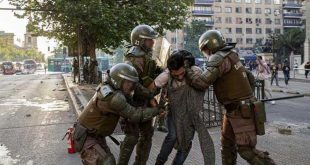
(213,110)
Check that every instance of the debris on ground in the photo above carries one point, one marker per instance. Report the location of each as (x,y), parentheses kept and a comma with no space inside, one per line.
(285,131)
(41,82)
(54,89)
(66,98)
(28,115)
(62,89)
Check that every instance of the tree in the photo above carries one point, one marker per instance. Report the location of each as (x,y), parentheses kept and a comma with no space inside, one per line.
(104,25)
(10,53)
(291,40)
(193,32)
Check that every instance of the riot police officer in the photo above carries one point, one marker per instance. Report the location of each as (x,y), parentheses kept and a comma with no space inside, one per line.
(93,71)
(86,71)
(233,90)
(75,66)
(139,55)
(100,117)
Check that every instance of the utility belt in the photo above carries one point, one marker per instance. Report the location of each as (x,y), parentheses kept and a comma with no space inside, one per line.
(247,109)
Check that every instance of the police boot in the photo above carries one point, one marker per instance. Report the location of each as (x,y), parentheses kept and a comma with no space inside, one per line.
(126,149)
(143,148)
(229,152)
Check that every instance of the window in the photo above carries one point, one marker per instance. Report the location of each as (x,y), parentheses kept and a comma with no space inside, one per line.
(239,40)
(239,30)
(29,40)
(238,1)
(258,1)
(259,40)
(238,20)
(228,30)
(248,10)
(277,21)
(227,9)
(258,20)
(276,2)
(267,11)
(268,21)
(258,11)
(268,30)
(218,28)
(218,9)
(218,0)
(258,30)
(278,31)
(228,1)
(238,10)
(228,39)
(248,30)
(228,20)
(218,19)
(249,41)
(248,1)
(173,40)
(268,1)
(248,20)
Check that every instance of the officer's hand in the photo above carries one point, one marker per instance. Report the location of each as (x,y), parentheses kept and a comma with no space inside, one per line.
(162,114)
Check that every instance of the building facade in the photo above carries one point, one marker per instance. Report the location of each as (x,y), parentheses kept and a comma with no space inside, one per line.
(246,21)
(307,40)
(6,39)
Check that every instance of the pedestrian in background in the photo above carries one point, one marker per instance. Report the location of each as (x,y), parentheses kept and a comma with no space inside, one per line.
(75,66)
(274,73)
(263,73)
(307,66)
(286,72)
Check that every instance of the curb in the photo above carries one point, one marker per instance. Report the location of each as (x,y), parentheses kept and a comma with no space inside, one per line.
(73,99)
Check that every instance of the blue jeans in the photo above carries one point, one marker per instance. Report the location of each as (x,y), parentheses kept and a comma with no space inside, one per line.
(169,143)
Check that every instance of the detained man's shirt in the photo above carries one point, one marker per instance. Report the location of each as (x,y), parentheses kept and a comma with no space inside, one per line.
(162,79)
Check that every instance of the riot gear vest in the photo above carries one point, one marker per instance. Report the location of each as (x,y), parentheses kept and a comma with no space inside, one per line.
(143,63)
(234,85)
(98,116)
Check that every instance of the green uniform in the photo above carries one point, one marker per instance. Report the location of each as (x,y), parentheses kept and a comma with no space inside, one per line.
(139,134)
(233,90)
(101,116)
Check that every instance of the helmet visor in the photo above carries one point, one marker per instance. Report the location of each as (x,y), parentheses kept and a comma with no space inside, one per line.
(130,78)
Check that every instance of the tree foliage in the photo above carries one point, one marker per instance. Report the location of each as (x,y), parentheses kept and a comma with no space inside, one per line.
(9,53)
(193,32)
(100,24)
(291,40)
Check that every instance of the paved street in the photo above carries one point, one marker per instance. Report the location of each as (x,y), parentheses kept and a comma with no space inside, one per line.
(33,119)
(34,116)
(285,149)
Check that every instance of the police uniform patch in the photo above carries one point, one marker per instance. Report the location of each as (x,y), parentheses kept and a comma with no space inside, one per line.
(106,90)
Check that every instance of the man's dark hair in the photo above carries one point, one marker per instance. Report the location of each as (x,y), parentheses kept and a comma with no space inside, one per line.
(260,57)
(175,61)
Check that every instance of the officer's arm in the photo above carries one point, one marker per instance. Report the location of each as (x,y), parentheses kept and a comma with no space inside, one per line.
(145,92)
(204,80)
(120,105)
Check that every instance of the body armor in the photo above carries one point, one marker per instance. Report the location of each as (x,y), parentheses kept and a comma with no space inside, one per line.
(143,63)
(233,85)
(93,119)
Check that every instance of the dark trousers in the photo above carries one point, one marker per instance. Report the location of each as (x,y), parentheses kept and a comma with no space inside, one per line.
(169,143)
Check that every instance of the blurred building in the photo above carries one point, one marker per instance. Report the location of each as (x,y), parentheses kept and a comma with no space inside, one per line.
(307,41)
(30,40)
(245,21)
(6,39)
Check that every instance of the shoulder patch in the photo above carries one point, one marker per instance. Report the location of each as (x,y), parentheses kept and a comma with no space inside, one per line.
(105,90)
